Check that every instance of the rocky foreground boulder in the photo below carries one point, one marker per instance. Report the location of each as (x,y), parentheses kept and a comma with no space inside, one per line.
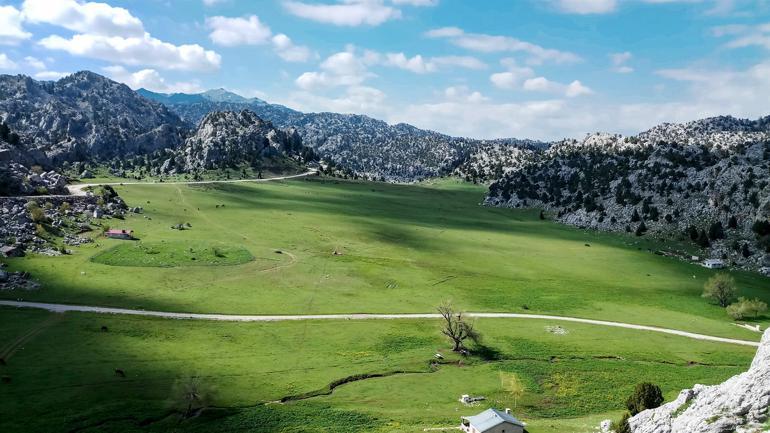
(739,405)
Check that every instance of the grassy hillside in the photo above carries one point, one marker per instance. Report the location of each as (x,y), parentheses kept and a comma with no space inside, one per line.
(327,246)
(63,376)
(366,247)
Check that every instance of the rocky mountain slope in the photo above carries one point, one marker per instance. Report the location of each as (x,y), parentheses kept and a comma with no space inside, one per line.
(705,180)
(229,139)
(365,146)
(491,160)
(740,405)
(85,116)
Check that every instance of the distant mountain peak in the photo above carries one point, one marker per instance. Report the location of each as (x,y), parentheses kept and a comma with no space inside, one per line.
(224,95)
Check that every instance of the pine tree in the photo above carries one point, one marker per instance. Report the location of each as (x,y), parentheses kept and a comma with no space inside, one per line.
(635,217)
(703,239)
(716,231)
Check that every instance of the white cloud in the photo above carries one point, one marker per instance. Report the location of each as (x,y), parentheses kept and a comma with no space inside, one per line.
(89,17)
(50,75)
(585,7)
(745,35)
(463,94)
(725,91)
(576,88)
(111,33)
(288,51)
(513,77)
(345,68)
(213,2)
(350,13)
(34,63)
(619,60)
(6,63)
(445,32)
(542,84)
(415,64)
(144,50)
(355,100)
(492,43)
(467,62)
(11,31)
(416,2)
(482,118)
(250,30)
(150,79)
(230,32)
(421,65)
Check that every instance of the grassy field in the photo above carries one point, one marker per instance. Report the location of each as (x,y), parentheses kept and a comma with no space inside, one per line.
(63,377)
(328,246)
(173,254)
(370,247)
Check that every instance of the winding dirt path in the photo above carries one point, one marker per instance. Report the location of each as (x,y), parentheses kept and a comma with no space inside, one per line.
(79,189)
(62,308)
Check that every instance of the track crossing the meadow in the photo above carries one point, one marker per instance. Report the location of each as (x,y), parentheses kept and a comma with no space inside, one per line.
(80,188)
(63,308)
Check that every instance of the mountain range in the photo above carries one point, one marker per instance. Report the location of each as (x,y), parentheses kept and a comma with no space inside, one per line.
(704,181)
(367,147)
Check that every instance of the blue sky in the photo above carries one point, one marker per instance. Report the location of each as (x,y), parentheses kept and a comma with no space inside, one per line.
(542,69)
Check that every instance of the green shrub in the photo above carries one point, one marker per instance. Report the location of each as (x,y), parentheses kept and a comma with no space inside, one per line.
(721,289)
(36,212)
(622,426)
(746,308)
(646,396)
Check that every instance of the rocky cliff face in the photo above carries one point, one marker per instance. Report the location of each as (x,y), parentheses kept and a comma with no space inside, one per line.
(706,179)
(739,405)
(228,139)
(84,117)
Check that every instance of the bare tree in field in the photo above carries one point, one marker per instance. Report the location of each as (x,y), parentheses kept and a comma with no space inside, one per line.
(456,328)
(192,395)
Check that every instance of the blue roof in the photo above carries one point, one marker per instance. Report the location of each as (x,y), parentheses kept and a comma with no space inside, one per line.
(491,418)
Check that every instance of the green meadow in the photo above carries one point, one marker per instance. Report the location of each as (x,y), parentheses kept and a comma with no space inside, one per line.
(321,245)
(327,246)
(63,379)
(173,254)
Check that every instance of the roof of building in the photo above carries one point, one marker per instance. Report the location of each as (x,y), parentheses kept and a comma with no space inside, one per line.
(491,418)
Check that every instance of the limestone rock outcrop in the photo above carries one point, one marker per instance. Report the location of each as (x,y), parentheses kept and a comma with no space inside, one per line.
(738,405)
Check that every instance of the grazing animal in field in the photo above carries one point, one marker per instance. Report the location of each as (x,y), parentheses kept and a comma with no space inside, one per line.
(120,373)
(104,328)
(5,379)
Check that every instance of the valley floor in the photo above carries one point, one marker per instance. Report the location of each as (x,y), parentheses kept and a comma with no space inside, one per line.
(325,246)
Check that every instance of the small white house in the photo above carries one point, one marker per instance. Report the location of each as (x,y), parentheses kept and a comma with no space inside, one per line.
(492,421)
(713,264)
